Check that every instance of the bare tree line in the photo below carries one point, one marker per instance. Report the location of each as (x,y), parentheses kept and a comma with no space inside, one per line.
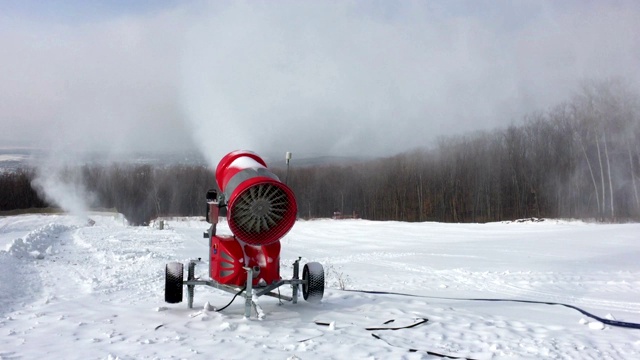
(580,159)
(145,192)
(16,191)
(139,192)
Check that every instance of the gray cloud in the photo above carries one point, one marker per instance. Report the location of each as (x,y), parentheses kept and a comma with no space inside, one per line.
(308,77)
(105,86)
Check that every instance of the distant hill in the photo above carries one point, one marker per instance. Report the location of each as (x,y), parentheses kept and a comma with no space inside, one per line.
(319,161)
(12,159)
(16,158)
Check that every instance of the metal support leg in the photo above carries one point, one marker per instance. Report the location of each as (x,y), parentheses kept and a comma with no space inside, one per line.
(296,274)
(190,288)
(248,295)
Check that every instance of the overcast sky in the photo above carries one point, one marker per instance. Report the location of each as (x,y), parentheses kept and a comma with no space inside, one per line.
(314,78)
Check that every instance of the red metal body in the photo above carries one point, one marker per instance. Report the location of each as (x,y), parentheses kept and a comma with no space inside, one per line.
(229,256)
(260,211)
(227,261)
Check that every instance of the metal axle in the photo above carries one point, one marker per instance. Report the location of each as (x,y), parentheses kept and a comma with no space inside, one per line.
(249,292)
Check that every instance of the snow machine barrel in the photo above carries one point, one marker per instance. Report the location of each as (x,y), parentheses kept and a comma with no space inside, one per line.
(260,208)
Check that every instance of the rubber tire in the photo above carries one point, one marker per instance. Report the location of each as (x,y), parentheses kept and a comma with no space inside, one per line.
(313,287)
(174,280)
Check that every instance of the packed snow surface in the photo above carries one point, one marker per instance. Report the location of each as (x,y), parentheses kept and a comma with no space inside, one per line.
(75,289)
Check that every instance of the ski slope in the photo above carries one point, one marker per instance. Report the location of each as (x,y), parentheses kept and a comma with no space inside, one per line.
(70,289)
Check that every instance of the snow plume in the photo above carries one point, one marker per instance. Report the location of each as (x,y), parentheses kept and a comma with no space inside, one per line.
(315,78)
(59,181)
(373,78)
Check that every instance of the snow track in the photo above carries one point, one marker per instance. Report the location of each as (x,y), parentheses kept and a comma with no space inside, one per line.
(74,291)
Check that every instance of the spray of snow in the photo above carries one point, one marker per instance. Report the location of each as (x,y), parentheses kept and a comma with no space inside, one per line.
(59,181)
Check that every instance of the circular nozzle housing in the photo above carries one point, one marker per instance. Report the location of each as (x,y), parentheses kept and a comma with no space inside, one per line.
(260,208)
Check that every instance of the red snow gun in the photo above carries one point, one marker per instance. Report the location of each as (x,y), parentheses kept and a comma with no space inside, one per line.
(260,210)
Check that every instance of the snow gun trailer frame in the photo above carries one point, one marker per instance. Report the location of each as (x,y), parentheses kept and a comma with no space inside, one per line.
(260,211)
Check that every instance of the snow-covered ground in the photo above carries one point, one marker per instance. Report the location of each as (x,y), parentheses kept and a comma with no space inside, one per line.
(69,290)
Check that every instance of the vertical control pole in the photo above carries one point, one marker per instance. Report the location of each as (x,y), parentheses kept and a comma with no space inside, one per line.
(287,159)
